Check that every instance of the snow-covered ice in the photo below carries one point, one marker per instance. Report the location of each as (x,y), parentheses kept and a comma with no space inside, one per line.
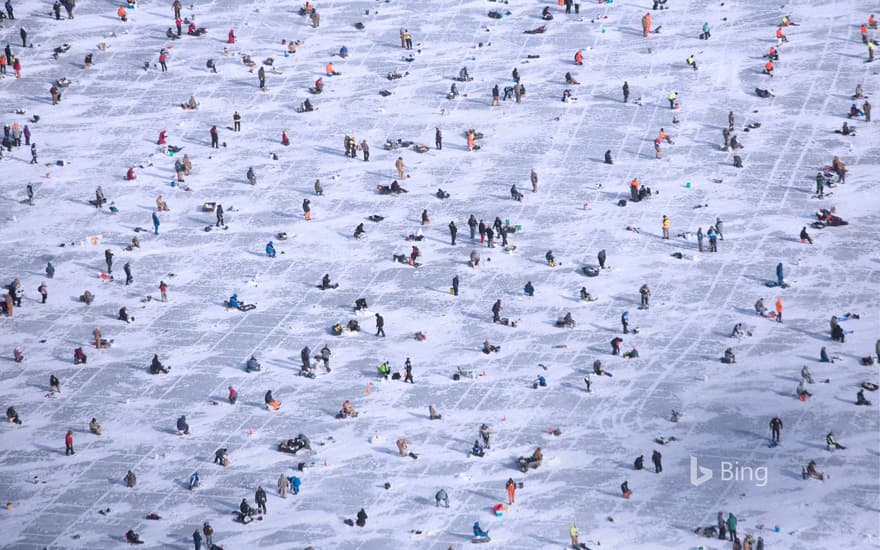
(110,117)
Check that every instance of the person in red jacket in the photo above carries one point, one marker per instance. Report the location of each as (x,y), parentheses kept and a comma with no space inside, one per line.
(162,136)
(579,58)
(68,444)
(232,36)
(17,68)
(163,57)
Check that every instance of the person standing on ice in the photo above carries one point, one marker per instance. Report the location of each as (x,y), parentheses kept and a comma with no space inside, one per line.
(68,444)
(236,120)
(442,497)
(496,311)
(380,326)
(307,209)
(625,91)
(776,429)
(780,279)
(779,309)
(624,320)
(261,75)
(453,231)
(645,294)
(215,138)
(155,223)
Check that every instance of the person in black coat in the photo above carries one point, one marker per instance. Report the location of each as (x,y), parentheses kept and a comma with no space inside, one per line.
(361,518)
(657,459)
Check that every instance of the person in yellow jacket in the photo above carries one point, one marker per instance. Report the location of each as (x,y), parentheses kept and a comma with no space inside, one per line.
(666,227)
(573,533)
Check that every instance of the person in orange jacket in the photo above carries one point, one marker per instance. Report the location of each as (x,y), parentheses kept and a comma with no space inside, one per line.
(864,32)
(579,58)
(664,136)
(768,68)
(470,140)
(872,22)
(773,54)
(634,190)
(779,309)
(646,24)
(780,37)
(122,14)
(330,70)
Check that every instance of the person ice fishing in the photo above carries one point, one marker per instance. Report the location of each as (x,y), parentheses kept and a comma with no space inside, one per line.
(270,249)
(479,532)
(442,497)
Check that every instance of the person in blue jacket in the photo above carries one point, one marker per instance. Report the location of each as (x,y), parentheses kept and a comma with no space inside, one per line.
(233,301)
(343,52)
(624,320)
(779,274)
(529,289)
(477,450)
(295,484)
(156,223)
(193,481)
(478,531)
(270,250)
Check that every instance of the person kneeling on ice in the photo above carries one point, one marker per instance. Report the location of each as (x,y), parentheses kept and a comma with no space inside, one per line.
(133,538)
(270,401)
(79,356)
(156,366)
(478,531)
(860,398)
(802,392)
(252,365)
(812,471)
(233,395)
(245,512)
(233,301)
(347,410)
(729,357)
(384,370)
(182,426)
(586,296)
(94,427)
(306,106)
(539,382)
(441,496)
(193,481)
(632,354)
(270,249)
(515,194)
(529,289)
(832,443)
(221,456)
(489,348)
(325,282)
(124,315)
(759,307)
(551,260)
(130,174)
(477,449)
